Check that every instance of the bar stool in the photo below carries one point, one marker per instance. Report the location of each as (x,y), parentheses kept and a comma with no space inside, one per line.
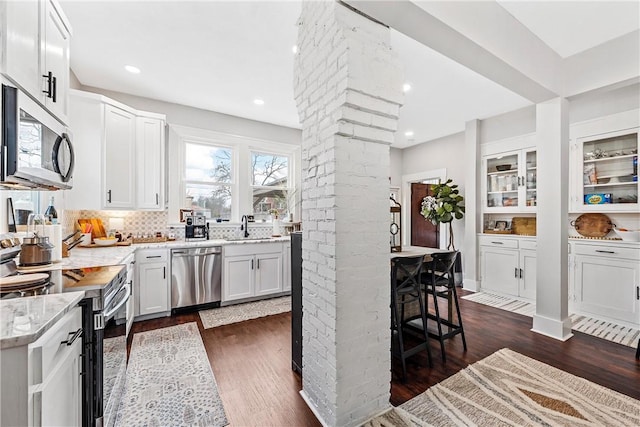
(440,283)
(406,297)
(638,351)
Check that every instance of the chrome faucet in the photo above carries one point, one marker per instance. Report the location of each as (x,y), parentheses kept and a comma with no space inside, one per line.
(245,225)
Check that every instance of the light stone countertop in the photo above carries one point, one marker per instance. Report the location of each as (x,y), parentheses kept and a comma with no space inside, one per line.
(45,310)
(24,320)
(83,257)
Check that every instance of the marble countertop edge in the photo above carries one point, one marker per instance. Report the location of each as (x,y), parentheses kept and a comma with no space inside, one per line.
(61,305)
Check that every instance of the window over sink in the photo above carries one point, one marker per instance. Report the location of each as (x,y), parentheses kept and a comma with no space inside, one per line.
(270,180)
(209,179)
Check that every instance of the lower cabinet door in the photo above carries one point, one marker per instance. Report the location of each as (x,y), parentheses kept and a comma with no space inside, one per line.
(153,288)
(500,270)
(607,287)
(527,274)
(238,277)
(59,403)
(268,273)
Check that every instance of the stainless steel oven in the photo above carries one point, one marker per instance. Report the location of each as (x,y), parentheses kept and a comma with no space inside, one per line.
(36,148)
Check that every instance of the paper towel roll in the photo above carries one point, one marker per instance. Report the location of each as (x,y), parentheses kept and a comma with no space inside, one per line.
(54,233)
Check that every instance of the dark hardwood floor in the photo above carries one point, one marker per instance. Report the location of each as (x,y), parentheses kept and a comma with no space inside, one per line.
(252,361)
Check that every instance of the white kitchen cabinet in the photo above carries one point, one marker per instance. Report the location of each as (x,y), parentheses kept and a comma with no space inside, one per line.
(286,267)
(251,270)
(510,180)
(607,281)
(119,158)
(36,39)
(605,172)
(150,163)
(45,377)
(508,266)
(153,293)
(119,155)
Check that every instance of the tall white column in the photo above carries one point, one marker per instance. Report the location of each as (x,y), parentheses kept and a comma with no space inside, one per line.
(552,135)
(473,218)
(348,89)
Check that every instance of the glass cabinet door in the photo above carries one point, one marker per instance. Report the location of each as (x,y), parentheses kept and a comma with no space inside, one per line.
(610,172)
(531,178)
(503,180)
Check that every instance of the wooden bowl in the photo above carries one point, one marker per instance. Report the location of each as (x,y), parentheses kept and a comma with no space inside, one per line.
(502,168)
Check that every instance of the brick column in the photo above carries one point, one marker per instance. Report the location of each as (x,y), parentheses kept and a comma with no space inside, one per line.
(348,93)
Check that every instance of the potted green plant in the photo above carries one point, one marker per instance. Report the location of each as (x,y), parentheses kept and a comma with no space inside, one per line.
(444,206)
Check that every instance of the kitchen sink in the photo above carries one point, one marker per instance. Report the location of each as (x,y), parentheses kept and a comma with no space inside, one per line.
(242,239)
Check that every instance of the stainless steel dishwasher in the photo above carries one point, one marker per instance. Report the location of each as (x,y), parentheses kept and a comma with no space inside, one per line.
(196,276)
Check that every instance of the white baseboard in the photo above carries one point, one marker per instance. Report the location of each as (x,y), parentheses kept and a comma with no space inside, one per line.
(313,408)
(560,330)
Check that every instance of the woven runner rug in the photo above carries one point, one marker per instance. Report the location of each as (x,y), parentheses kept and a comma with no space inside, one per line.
(170,381)
(246,311)
(509,389)
(599,328)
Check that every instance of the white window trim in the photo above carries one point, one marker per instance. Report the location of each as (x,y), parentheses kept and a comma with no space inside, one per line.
(242,147)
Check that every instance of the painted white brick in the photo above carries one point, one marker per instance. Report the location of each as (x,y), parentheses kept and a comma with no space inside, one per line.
(348,102)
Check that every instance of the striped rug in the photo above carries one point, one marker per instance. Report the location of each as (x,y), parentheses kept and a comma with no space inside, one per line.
(599,328)
(246,311)
(510,389)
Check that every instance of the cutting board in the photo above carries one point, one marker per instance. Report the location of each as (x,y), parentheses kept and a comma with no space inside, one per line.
(592,225)
(523,225)
(98,229)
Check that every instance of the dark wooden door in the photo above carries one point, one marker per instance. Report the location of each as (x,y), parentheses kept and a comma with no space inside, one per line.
(423,233)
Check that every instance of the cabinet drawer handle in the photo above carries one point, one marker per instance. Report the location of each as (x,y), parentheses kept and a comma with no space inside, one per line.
(108,196)
(252,264)
(521,273)
(157,199)
(605,252)
(516,272)
(54,96)
(75,336)
(258,262)
(164,272)
(49,91)
(498,243)
(155,256)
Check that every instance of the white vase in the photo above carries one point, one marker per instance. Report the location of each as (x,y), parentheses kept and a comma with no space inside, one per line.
(276,228)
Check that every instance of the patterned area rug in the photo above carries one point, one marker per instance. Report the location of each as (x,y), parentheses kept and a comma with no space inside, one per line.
(599,328)
(509,389)
(241,312)
(170,382)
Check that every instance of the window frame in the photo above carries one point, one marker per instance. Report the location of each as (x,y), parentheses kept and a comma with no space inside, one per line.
(288,188)
(242,147)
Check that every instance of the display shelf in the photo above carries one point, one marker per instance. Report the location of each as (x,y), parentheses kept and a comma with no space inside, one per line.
(604,159)
(507,172)
(612,184)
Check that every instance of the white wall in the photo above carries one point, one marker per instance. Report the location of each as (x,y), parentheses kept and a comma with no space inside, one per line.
(396,167)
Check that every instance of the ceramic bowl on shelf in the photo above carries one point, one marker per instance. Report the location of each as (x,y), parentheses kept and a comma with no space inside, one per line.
(105,241)
(628,235)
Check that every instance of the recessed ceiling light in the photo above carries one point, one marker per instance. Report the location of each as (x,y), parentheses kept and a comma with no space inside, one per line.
(258,101)
(294,49)
(408,133)
(132,69)
(406,87)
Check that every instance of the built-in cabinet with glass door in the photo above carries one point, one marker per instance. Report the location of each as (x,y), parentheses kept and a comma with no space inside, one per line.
(510,181)
(609,166)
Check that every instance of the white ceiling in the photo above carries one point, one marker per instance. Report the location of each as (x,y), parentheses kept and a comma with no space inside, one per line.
(221,55)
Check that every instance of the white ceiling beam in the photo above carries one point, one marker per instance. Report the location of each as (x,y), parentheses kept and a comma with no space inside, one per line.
(611,64)
(413,21)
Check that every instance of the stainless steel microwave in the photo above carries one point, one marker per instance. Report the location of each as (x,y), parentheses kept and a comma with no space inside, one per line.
(36,149)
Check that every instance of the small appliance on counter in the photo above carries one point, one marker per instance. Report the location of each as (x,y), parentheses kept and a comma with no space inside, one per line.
(196,228)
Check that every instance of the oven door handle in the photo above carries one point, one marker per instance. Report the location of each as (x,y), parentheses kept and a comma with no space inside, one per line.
(108,314)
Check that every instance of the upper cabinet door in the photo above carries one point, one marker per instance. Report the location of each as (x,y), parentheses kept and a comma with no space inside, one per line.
(55,60)
(607,172)
(510,181)
(150,163)
(21,58)
(119,158)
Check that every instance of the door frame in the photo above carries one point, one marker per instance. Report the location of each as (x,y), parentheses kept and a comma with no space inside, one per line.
(407,180)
